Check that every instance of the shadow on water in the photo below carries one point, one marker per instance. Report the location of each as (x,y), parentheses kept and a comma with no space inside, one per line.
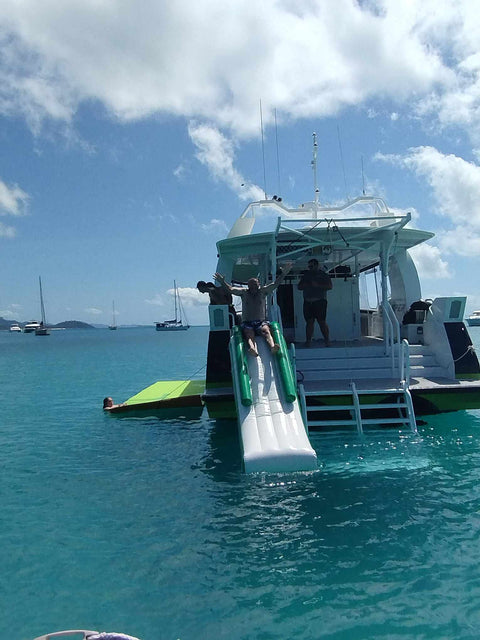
(223,462)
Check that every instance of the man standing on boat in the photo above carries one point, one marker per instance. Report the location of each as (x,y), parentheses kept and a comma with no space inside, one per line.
(254,311)
(315,283)
(219,295)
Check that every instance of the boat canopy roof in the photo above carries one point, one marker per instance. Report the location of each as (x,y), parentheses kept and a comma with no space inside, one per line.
(336,235)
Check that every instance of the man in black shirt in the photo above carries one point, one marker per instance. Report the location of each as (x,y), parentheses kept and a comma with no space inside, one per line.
(315,283)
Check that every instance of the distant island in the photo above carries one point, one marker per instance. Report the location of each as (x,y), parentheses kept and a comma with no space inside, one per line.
(67,324)
(72,324)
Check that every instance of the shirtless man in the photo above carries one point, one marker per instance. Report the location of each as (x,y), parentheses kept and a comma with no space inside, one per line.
(254,312)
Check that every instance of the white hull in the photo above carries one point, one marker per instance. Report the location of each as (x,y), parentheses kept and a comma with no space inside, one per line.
(31,327)
(182,327)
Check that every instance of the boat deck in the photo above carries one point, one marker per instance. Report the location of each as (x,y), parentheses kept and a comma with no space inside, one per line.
(365,341)
(417,384)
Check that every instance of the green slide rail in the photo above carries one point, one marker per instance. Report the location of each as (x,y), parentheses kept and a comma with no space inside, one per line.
(284,364)
(242,369)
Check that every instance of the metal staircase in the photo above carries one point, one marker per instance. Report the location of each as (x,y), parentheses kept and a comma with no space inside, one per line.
(358,408)
(355,386)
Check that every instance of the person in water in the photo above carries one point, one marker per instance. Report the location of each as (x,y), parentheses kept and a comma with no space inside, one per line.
(254,308)
(108,403)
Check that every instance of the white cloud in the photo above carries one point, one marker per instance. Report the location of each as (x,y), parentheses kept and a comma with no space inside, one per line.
(157,300)
(214,60)
(179,172)
(191,297)
(93,311)
(455,183)
(6,231)
(429,262)
(11,312)
(13,200)
(215,226)
(217,153)
(460,241)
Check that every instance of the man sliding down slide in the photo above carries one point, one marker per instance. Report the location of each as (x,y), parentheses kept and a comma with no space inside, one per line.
(254,312)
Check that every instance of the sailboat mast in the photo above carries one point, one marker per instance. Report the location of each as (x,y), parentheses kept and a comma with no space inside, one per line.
(175,296)
(42,307)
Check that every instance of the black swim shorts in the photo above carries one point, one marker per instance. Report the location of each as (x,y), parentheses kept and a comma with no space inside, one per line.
(315,310)
(255,325)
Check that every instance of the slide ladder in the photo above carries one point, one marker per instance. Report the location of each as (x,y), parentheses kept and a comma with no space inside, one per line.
(272,431)
(358,413)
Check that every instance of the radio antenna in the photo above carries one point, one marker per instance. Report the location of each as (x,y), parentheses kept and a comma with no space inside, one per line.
(363,178)
(278,155)
(314,167)
(341,160)
(263,154)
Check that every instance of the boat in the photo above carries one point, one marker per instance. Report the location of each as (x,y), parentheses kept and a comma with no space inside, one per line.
(42,329)
(113,326)
(15,328)
(474,319)
(389,361)
(30,327)
(178,323)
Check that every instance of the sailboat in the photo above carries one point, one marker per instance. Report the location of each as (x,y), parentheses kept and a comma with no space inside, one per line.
(177,324)
(113,326)
(42,329)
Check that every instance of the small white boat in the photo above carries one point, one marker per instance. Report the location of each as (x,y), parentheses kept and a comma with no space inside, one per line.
(178,323)
(15,328)
(42,329)
(31,326)
(474,319)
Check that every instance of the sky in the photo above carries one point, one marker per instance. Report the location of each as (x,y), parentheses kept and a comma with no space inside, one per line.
(131,138)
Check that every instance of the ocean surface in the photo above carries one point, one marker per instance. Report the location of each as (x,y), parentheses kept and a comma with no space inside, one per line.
(150,527)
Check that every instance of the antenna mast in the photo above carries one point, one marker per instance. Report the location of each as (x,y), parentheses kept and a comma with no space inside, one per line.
(263,154)
(278,156)
(363,178)
(314,167)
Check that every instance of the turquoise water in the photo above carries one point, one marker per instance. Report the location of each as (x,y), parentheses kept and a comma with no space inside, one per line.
(150,527)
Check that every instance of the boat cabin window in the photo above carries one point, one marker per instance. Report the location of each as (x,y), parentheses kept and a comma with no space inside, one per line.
(246,267)
(455,309)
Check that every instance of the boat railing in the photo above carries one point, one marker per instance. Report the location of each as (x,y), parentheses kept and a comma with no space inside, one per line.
(392,337)
(405,363)
(369,212)
(375,204)
(303,403)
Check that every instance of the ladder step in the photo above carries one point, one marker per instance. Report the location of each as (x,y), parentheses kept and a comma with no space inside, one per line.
(392,405)
(348,392)
(333,423)
(333,407)
(339,392)
(386,421)
(350,407)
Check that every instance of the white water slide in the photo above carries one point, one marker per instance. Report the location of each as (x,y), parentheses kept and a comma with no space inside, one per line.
(272,432)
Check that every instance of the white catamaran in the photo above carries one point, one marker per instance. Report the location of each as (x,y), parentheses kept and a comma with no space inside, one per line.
(180,322)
